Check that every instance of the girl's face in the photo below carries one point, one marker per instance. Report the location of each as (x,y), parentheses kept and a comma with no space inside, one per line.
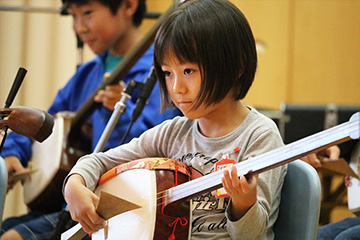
(183,82)
(96,26)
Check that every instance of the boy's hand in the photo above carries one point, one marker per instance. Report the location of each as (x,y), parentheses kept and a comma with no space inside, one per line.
(347,179)
(242,191)
(110,95)
(313,159)
(332,152)
(82,204)
(13,164)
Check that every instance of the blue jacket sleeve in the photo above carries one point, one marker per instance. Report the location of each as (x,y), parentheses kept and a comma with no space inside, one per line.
(19,146)
(69,98)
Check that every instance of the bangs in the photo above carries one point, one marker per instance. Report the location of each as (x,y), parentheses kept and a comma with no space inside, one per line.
(176,39)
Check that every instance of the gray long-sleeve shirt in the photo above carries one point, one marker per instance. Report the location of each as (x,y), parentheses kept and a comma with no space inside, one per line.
(181,140)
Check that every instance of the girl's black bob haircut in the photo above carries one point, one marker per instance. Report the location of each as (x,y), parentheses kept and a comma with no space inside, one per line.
(215,35)
(114,6)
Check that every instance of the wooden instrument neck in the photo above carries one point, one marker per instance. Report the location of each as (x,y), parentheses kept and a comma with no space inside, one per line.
(271,159)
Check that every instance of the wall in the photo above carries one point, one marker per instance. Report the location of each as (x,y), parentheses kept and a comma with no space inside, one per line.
(311,53)
(326,52)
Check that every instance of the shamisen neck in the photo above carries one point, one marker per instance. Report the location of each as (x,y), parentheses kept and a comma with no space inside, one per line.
(277,157)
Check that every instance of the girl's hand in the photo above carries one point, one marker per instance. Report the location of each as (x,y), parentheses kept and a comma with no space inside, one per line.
(242,191)
(82,204)
(110,95)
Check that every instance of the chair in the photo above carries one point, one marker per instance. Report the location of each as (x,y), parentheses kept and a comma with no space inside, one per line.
(301,120)
(3,186)
(300,203)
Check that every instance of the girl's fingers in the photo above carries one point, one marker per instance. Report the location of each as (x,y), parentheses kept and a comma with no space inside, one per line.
(234,176)
(225,179)
(92,222)
(244,184)
(230,180)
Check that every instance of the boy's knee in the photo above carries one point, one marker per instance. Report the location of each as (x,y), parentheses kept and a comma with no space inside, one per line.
(11,235)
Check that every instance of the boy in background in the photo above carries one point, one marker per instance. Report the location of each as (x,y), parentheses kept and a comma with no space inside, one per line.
(111,29)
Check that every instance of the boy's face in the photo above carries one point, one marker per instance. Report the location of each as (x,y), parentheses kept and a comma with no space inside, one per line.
(96,26)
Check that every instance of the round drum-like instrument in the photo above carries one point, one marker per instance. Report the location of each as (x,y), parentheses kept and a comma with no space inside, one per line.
(51,160)
(43,190)
(144,182)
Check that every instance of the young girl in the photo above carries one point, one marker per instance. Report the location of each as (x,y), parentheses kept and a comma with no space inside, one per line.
(205,60)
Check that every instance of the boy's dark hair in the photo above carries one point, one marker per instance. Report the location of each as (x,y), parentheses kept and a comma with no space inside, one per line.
(114,6)
(215,35)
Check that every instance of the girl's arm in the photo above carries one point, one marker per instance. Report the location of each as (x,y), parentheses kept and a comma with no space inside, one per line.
(82,204)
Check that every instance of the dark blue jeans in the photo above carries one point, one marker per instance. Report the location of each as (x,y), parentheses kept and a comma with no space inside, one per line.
(347,229)
(35,225)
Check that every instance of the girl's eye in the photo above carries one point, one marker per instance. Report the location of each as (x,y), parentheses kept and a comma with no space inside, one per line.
(167,73)
(188,71)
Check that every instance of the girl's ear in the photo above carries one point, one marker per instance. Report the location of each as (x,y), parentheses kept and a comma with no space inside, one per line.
(130,7)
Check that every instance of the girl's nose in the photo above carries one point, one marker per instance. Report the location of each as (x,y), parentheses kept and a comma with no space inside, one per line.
(178,85)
